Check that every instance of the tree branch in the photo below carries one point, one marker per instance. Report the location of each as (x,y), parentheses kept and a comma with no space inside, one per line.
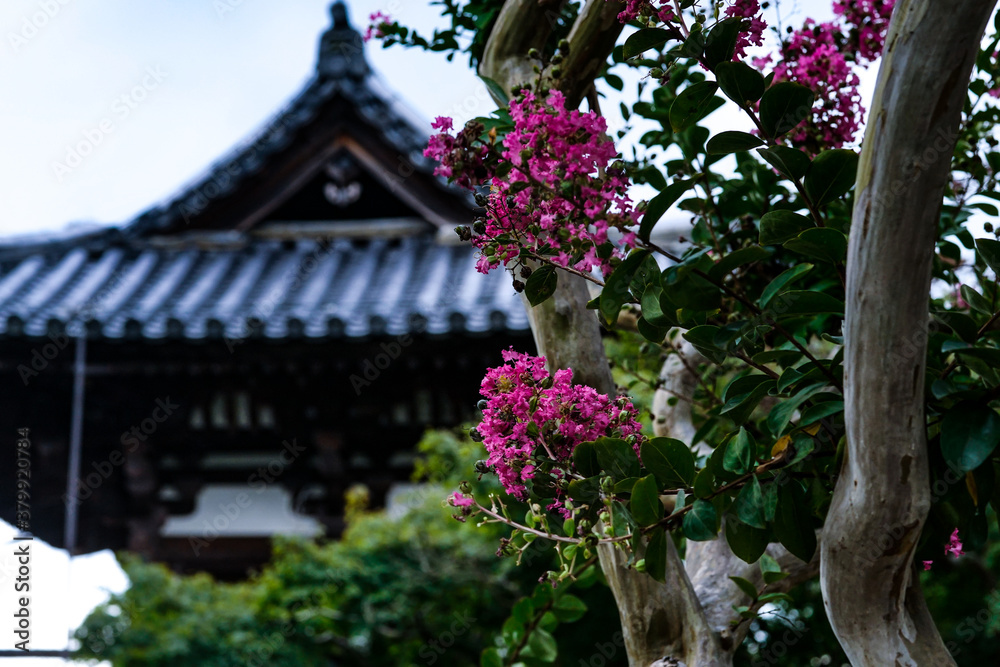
(882,497)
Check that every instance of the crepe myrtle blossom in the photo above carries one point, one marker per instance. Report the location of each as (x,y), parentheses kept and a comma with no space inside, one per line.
(753,26)
(660,9)
(867,22)
(953,548)
(534,420)
(560,190)
(377,24)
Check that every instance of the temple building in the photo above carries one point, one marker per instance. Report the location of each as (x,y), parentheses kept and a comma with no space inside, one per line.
(224,366)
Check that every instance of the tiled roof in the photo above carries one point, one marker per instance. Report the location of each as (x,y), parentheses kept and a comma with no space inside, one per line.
(265,289)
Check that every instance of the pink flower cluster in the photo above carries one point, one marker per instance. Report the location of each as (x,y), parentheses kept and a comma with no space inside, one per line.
(823,56)
(377,23)
(753,32)
(813,57)
(460,158)
(953,548)
(647,8)
(532,417)
(561,197)
(867,22)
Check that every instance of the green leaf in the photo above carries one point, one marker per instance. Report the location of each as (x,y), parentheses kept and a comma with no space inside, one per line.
(736,259)
(659,205)
(740,82)
(964,326)
(652,308)
(783,106)
(585,459)
(692,291)
(793,526)
(822,243)
(541,284)
(617,458)
(569,608)
(783,280)
(970,432)
(747,542)
(749,504)
(704,483)
(773,577)
(656,555)
(782,357)
(616,288)
(745,586)
(790,162)
(701,522)
(490,658)
(523,611)
(645,503)
(670,460)
(740,453)
(496,90)
(831,175)
(652,333)
(743,385)
(976,300)
(989,252)
(691,105)
(781,414)
(731,142)
(720,42)
(820,411)
(643,40)
(703,339)
(768,564)
(541,646)
(585,490)
(779,226)
(739,408)
(808,302)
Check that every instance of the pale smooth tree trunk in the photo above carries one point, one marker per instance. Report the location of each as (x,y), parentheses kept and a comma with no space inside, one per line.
(882,496)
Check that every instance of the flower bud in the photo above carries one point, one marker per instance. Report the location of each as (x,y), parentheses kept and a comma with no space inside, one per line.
(656,73)
(563,46)
(475,435)
(481,405)
(479,227)
(557,71)
(465,488)
(533,53)
(988,227)
(481,199)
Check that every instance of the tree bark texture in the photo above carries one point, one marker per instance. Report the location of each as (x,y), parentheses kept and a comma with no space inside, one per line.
(882,496)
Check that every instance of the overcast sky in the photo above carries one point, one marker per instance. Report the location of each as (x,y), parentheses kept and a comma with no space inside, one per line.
(155,92)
